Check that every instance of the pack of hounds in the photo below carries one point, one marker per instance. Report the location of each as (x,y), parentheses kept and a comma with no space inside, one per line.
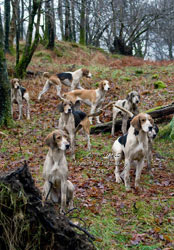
(134,146)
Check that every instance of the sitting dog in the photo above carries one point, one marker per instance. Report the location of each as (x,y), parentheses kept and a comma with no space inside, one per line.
(72,119)
(91,97)
(134,147)
(18,94)
(55,171)
(130,104)
(70,79)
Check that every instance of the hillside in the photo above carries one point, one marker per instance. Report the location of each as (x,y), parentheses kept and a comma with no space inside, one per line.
(119,220)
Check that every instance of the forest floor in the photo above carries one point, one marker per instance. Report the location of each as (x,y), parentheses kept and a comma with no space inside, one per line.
(119,220)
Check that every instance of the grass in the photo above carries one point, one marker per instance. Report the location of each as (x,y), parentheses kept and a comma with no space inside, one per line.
(117,219)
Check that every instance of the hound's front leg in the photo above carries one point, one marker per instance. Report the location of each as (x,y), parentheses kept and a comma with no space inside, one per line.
(124,124)
(63,195)
(20,111)
(139,169)
(127,174)
(58,88)
(72,141)
(113,122)
(93,108)
(117,157)
(97,117)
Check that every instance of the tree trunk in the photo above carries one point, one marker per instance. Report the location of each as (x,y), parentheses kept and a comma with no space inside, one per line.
(121,48)
(61,18)
(82,23)
(67,21)
(73,21)
(49,35)
(13,23)
(30,46)
(17,34)
(5,90)
(21,21)
(7,24)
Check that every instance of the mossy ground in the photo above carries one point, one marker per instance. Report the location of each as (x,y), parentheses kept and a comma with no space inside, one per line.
(119,220)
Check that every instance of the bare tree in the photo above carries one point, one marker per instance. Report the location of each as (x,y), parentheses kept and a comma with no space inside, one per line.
(5,94)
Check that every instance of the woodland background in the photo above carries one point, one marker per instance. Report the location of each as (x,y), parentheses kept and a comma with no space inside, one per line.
(64,36)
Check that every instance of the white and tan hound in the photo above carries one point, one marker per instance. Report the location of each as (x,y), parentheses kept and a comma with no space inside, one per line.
(57,187)
(18,94)
(92,97)
(70,79)
(134,147)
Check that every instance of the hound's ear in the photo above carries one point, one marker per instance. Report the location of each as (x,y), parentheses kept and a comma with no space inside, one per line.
(128,97)
(101,85)
(60,107)
(77,105)
(136,122)
(65,132)
(12,82)
(85,72)
(50,139)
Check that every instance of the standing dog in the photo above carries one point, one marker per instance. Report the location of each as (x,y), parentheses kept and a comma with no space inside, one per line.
(134,147)
(55,171)
(72,120)
(130,104)
(92,97)
(18,94)
(70,79)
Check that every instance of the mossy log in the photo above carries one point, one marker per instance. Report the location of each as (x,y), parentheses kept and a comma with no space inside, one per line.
(28,223)
(157,112)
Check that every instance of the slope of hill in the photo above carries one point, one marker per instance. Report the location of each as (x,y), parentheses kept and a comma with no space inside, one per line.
(119,220)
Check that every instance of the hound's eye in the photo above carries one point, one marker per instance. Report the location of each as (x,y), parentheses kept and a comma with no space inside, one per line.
(59,137)
(143,120)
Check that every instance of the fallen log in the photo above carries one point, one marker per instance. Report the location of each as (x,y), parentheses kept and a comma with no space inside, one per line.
(27,222)
(156,113)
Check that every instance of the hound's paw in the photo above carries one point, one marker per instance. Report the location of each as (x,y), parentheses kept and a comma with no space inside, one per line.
(128,189)
(118,178)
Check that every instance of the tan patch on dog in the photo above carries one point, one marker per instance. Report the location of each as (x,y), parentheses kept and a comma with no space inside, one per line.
(85,72)
(54,79)
(84,94)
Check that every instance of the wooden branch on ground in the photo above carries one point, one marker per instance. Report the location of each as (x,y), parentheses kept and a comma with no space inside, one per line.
(157,112)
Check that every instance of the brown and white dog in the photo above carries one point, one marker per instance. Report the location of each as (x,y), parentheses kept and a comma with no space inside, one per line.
(134,147)
(18,94)
(130,104)
(70,79)
(57,187)
(92,97)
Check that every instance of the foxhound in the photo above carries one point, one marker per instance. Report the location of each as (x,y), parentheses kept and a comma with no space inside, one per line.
(92,97)
(130,104)
(70,79)
(55,171)
(134,147)
(18,94)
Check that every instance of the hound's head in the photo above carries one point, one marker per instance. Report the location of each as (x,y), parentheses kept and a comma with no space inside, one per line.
(58,139)
(153,133)
(104,85)
(86,73)
(133,97)
(65,106)
(142,122)
(15,83)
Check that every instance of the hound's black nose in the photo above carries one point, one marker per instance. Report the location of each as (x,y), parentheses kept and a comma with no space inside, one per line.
(67,146)
(150,128)
(137,101)
(69,110)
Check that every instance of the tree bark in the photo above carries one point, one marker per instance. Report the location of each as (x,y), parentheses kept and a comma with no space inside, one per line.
(5,90)
(30,46)
(21,21)
(13,23)
(7,24)
(49,25)
(61,19)
(82,23)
